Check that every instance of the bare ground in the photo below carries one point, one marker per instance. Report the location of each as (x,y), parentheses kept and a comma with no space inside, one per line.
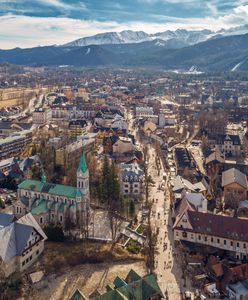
(87,266)
(87,278)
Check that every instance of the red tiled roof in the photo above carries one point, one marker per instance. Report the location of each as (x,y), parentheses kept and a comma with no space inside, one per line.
(217,225)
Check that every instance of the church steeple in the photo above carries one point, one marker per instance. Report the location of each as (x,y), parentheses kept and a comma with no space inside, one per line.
(83,176)
(82,164)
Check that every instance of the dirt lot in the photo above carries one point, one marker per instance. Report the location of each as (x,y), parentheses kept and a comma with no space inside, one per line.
(88,267)
(87,278)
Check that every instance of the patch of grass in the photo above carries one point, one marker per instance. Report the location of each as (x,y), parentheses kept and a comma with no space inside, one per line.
(141,229)
(133,247)
(58,256)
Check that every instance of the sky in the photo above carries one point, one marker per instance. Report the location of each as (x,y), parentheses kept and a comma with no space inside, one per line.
(29,23)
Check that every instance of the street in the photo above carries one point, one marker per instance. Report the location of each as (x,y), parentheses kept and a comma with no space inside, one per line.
(167,268)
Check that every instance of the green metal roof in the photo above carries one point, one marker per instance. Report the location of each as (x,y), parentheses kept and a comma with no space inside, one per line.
(118,282)
(41,208)
(141,289)
(82,164)
(132,276)
(49,188)
(78,295)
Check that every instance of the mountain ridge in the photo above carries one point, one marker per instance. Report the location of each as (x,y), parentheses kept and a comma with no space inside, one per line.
(190,37)
(228,53)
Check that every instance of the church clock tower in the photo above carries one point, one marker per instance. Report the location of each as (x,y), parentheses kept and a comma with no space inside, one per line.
(83,193)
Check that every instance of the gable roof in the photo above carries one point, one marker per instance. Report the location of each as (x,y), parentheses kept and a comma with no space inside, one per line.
(218,225)
(14,238)
(28,219)
(216,157)
(234,175)
(6,219)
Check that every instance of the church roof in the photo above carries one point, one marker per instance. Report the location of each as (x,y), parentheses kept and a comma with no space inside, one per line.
(49,188)
(82,164)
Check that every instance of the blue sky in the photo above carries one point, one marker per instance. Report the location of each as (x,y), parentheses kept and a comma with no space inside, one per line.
(26,23)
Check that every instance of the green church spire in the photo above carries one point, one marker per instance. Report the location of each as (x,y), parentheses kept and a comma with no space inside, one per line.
(43,178)
(82,164)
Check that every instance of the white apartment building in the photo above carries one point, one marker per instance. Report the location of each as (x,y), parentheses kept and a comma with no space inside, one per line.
(131,178)
(22,242)
(221,232)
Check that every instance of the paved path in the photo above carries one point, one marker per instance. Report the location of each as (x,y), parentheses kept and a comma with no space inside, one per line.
(166,267)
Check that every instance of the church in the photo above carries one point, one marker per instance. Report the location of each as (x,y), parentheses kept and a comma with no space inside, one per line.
(53,203)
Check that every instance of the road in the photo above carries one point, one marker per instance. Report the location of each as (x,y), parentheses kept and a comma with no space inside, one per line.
(167,269)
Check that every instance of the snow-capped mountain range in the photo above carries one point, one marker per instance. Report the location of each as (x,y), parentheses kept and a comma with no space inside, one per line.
(186,37)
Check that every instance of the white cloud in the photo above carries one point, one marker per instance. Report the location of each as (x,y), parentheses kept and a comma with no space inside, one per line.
(212,8)
(63,5)
(48,31)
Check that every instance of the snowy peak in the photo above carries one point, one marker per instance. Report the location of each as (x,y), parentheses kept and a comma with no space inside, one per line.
(123,37)
(183,36)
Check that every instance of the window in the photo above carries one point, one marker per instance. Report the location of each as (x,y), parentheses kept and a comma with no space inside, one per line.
(31,256)
(37,252)
(224,242)
(192,236)
(61,218)
(41,220)
(176,233)
(212,239)
(199,237)
(126,191)
(218,241)
(237,244)
(244,246)
(20,210)
(23,263)
(231,243)
(17,209)
(184,234)
(206,239)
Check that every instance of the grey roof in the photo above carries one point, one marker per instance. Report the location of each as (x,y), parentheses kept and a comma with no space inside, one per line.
(132,172)
(239,287)
(194,198)
(215,156)
(6,219)
(179,183)
(28,219)
(234,175)
(243,204)
(14,238)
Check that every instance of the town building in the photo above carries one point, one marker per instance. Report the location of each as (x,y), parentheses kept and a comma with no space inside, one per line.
(143,112)
(22,242)
(42,116)
(215,231)
(131,178)
(238,290)
(123,145)
(184,163)
(77,127)
(15,143)
(7,128)
(234,184)
(49,202)
(229,145)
